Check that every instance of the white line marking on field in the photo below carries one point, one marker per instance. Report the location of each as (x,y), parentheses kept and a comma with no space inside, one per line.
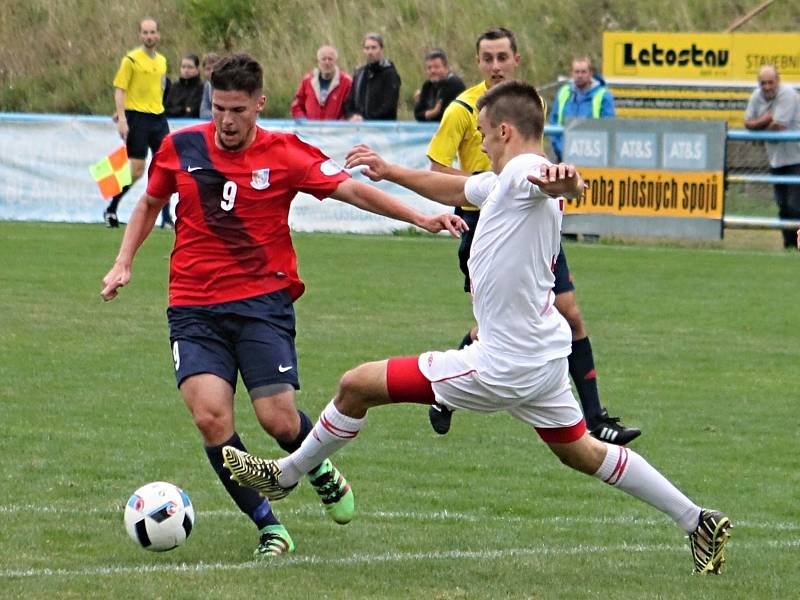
(355,559)
(443,515)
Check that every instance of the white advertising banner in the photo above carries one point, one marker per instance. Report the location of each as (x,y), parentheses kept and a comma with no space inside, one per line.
(45,159)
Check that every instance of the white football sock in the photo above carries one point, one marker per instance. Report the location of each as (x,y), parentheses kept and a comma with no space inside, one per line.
(628,471)
(331,432)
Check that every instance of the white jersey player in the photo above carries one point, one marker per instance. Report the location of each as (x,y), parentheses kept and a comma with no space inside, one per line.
(512,365)
(519,363)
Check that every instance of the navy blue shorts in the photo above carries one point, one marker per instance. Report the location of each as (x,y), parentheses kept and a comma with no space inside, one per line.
(145,131)
(254,337)
(471,218)
(563,276)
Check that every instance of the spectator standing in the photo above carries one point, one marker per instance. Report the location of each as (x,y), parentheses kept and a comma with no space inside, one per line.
(775,106)
(440,88)
(323,92)
(209,60)
(584,96)
(185,95)
(376,85)
(139,99)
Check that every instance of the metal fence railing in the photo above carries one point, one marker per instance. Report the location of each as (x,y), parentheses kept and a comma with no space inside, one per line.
(748,181)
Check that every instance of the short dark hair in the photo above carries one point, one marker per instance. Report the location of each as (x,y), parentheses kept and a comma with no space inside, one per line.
(515,102)
(211,58)
(436,53)
(193,58)
(497,33)
(373,36)
(238,72)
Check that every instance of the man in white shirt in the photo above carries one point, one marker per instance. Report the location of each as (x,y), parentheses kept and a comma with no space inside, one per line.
(775,106)
(519,362)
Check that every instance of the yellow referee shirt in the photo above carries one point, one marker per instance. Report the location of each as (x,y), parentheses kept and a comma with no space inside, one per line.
(458,134)
(142,78)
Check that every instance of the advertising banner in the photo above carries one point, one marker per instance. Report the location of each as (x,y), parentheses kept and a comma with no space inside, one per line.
(44,170)
(647,177)
(695,75)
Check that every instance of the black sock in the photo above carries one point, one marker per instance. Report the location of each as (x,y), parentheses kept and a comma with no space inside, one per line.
(581,368)
(112,206)
(305,428)
(466,341)
(249,501)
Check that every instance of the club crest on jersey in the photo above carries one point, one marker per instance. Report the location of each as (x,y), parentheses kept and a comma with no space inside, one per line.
(330,167)
(260,179)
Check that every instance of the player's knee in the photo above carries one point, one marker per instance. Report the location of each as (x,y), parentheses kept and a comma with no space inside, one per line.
(137,170)
(352,389)
(571,312)
(282,427)
(352,383)
(573,315)
(212,425)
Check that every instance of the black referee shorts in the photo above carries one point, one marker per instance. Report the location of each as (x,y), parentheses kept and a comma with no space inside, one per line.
(145,130)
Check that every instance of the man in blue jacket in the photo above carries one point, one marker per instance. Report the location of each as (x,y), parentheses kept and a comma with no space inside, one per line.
(584,96)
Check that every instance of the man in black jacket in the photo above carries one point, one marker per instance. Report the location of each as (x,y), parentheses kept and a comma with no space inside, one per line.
(376,85)
(440,88)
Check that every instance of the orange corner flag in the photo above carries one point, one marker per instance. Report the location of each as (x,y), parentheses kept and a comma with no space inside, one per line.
(112,173)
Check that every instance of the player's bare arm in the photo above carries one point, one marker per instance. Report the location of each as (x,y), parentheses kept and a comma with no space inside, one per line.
(376,201)
(558,180)
(440,187)
(139,227)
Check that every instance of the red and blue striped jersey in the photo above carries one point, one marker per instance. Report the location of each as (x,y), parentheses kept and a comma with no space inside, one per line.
(232,234)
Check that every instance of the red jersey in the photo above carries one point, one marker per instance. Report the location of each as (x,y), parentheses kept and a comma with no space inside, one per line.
(232,238)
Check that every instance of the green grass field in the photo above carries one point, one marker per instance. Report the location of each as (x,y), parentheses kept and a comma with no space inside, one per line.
(696,346)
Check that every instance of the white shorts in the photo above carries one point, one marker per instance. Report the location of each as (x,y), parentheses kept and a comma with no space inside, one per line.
(540,396)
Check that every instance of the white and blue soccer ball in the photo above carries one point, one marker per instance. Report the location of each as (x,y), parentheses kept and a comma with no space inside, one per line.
(159,516)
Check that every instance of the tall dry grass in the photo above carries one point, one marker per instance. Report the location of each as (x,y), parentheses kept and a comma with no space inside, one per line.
(61,55)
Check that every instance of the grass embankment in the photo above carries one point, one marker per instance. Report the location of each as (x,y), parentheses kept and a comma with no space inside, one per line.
(60,56)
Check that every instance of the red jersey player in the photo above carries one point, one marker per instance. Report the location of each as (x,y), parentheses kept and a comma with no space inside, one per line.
(233,275)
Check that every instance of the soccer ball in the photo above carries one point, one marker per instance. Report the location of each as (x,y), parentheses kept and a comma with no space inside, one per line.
(159,516)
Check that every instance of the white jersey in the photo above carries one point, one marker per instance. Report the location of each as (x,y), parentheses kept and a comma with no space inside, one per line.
(511,267)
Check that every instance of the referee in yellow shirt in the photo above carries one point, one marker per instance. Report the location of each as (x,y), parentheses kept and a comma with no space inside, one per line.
(458,135)
(139,99)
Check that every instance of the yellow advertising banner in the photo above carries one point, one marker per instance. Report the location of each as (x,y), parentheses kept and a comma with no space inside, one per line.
(650,193)
(676,102)
(700,55)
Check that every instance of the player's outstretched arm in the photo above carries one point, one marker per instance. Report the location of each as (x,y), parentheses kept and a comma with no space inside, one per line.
(139,227)
(369,198)
(440,187)
(558,180)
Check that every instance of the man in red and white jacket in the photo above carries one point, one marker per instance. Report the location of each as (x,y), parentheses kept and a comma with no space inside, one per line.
(323,91)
